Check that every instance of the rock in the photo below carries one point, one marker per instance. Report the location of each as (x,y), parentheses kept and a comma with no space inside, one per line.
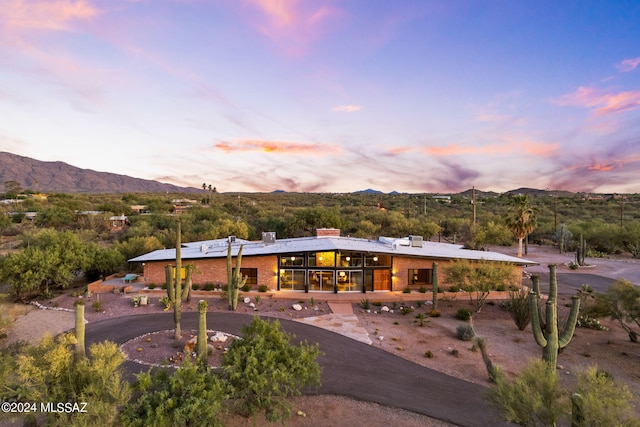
(384,308)
(247,300)
(297,307)
(218,337)
(252,305)
(429,302)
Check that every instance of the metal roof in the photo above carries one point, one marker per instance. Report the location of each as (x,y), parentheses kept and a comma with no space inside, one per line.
(384,245)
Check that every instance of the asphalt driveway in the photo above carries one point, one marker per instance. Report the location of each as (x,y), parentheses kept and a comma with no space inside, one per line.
(349,368)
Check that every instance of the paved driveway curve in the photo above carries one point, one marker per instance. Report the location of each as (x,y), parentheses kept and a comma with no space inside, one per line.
(349,368)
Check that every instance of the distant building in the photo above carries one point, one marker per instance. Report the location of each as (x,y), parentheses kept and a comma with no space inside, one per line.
(324,263)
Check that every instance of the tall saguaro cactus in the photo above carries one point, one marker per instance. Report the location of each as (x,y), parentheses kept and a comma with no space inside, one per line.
(80,347)
(434,285)
(234,279)
(202,332)
(175,291)
(546,333)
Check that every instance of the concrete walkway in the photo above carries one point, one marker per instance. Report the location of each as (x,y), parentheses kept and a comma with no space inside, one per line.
(342,321)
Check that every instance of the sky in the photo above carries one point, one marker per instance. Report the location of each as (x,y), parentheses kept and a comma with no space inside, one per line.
(328,96)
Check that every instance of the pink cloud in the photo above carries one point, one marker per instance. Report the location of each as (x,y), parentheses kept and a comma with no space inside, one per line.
(346,108)
(57,15)
(628,65)
(604,103)
(533,148)
(277,147)
(292,24)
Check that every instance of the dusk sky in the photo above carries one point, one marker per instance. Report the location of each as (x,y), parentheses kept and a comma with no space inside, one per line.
(328,96)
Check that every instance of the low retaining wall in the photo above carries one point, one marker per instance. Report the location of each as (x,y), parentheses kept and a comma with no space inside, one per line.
(99,287)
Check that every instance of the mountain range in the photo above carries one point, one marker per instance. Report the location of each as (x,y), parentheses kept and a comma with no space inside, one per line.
(40,176)
(61,177)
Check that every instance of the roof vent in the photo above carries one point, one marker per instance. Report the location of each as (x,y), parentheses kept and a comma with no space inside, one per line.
(416,241)
(231,239)
(269,237)
(203,248)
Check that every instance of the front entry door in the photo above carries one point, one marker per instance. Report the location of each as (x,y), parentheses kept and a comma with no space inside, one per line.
(381,280)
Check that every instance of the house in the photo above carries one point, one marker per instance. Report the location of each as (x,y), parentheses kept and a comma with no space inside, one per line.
(326,262)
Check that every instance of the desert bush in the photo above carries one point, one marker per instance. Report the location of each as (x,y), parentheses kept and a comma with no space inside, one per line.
(406,290)
(428,354)
(463,314)
(435,313)
(365,303)
(209,286)
(265,363)
(263,288)
(423,289)
(97,305)
(421,318)
(406,310)
(245,288)
(518,306)
(465,332)
(190,395)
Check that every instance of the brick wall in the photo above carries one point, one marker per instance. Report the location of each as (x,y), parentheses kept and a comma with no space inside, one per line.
(214,270)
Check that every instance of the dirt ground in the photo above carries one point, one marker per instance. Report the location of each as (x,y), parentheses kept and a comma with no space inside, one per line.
(433,345)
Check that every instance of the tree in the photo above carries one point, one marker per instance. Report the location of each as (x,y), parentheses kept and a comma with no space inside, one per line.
(622,303)
(479,278)
(490,234)
(532,398)
(521,219)
(602,401)
(189,396)
(264,368)
(535,397)
(49,372)
(630,238)
(104,261)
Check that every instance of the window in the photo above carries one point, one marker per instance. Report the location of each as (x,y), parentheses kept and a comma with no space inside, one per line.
(320,280)
(292,280)
(251,274)
(322,259)
(420,276)
(375,260)
(292,260)
(350,259)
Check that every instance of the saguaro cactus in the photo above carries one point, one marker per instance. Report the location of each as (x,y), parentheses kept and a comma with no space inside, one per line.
(175,291)
(581,252)
(434,285)
(234,279)
(546,333)
(202,348)
(80,347)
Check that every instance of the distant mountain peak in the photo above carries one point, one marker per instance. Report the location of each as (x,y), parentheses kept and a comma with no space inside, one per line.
(62,177)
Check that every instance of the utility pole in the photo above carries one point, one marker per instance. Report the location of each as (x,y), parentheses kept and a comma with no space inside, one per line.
(473,203)
(621,213)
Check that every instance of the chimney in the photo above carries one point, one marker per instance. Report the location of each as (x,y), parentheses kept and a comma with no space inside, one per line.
(327,232)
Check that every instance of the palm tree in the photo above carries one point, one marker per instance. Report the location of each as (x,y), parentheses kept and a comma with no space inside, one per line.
(521,219)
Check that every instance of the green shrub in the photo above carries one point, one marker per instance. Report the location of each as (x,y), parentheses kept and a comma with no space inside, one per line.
(455,352)
(463,314)
(423,289)
(428,354)
(518,306)
(406,310)
(454,288)
(365,303)
(245,288)
(465,332)
(152,286)
(406,290)
(97,305)
(209,286)
(195,287)
(263,288)
(377,303)
(434,313)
